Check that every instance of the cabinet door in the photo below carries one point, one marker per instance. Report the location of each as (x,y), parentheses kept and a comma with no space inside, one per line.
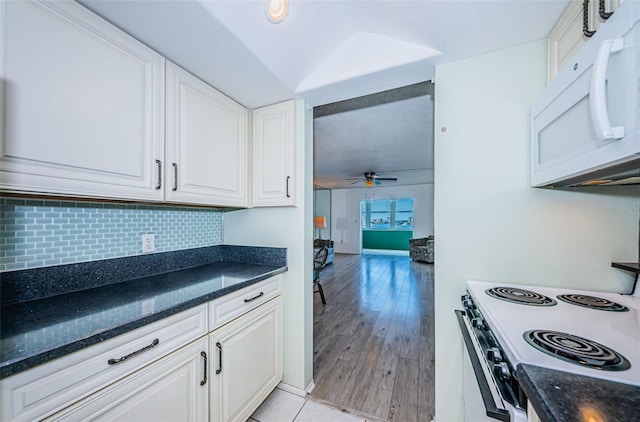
(206,143)
(274,155)
(174,388)
(566,38)
(246,362)
(83,105)
(32,394)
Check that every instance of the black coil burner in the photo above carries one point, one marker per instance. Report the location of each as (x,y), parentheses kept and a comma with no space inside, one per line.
(577,350)
(593,302)
(525,297)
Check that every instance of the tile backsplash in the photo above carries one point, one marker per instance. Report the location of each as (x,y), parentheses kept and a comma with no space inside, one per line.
(42,233)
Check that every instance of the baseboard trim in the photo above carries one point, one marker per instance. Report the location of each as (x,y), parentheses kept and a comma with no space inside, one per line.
(297,391)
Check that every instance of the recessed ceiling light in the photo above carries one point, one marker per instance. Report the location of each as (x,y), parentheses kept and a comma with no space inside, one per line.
(277,10)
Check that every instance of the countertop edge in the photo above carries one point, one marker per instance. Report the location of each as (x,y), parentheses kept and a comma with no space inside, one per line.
(562,396)
(10,368)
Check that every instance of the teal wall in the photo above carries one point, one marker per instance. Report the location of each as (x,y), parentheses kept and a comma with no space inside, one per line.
(42,233)
(386,239)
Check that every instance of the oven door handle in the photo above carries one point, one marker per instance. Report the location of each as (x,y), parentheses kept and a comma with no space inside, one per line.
(492,410)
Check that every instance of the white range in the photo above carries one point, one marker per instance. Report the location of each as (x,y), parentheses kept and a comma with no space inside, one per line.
(594,334)
(609,319)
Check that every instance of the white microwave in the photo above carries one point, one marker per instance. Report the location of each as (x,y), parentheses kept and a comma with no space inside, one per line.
(585,125)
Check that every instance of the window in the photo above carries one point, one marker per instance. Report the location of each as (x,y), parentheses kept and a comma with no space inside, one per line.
(387,214)
(403,213)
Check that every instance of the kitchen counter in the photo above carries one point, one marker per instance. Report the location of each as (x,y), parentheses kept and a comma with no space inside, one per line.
(562,396)
(46,314)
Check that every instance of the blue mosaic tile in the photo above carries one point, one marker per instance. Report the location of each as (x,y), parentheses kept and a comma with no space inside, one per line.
(93,231)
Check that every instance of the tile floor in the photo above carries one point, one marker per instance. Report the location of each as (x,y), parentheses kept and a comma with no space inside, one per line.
(282,406)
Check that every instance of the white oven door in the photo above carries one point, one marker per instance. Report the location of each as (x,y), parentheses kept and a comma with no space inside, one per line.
(482,399)
(474,409)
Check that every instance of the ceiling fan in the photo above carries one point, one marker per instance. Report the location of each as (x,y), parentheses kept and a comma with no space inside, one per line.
(371,179)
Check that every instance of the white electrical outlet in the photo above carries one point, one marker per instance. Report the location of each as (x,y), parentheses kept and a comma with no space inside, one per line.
(148,243)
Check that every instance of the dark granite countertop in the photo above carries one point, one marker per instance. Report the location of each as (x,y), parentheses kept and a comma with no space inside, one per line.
(562,396)
(35,331)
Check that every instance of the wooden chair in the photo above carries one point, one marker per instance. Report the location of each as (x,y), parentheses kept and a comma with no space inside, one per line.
(319,260)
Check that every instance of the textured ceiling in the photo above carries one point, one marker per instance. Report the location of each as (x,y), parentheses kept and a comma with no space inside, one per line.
(389,133)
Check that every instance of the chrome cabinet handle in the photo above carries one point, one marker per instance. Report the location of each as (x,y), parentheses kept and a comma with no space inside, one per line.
(159,185)
(204,379)
(132,354)
(175,177)
(254,298)
(288,178)
(219,346)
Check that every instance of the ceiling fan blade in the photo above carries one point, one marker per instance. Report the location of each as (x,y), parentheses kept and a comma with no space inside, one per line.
(386,178)
(357,181)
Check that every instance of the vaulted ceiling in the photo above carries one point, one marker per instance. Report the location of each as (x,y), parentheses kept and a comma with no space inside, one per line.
(328,51)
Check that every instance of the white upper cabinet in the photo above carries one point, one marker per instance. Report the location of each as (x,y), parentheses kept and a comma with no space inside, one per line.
(567,36)
(206,143)
(83,105)
(274,134)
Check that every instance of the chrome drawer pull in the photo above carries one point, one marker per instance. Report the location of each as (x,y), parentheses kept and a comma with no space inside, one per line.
(204,356)
(254,298)
(219,346)
(132,354)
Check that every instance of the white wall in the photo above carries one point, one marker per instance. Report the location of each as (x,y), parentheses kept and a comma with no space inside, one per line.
(489,224)
(345,212)
(289,227)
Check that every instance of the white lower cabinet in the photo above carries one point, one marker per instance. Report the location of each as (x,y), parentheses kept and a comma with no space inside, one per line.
(246,362)
(51,387)
(169,370)
(532,416)
(171,389)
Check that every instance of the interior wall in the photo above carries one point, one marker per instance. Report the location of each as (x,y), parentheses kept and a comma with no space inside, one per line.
(489,224)
(322,207)
(345,212)
(292,228)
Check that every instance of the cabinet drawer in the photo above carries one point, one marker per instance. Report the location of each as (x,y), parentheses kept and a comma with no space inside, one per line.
(40,391)
(170,389)
(228,307)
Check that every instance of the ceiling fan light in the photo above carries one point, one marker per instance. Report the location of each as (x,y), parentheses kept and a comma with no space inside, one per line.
(369,183)
(277,10)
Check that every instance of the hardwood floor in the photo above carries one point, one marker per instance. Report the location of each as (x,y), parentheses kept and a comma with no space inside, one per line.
(374,339)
